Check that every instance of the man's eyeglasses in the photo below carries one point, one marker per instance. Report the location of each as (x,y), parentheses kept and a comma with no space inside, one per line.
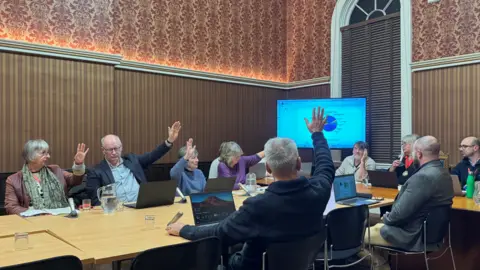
(465,146)
(110,150)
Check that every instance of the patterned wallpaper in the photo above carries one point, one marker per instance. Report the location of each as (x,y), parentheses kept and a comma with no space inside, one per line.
(277,40)
(235,37)
(447,28)
(308,38)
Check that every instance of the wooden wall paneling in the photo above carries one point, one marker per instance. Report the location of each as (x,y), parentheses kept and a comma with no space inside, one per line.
(63,102)
(210,112)
(312,92)
(445,104)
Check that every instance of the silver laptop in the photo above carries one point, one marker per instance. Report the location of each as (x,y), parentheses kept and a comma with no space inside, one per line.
(259,169)
(345,191)
(457,189)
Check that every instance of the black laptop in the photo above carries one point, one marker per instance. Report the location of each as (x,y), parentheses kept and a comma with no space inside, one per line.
(153,194)
(211,207)
(220,184)
(383,179)
(345,191)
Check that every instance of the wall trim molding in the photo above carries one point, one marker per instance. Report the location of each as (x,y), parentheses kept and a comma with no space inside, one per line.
(341,17)
(15,46)
(58,52)
(445,62)
(194,74)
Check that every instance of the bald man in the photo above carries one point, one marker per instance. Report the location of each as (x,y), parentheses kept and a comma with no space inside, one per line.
(127,172)
(470,150)
(430,186)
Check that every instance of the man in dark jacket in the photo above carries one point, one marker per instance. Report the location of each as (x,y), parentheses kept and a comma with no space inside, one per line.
(127,172)
(290,209)
(430,186)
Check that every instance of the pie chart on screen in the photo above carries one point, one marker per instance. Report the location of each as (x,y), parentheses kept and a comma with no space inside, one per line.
(331,124)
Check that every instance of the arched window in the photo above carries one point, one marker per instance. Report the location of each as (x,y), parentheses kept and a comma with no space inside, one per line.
(370,9)
(371,68)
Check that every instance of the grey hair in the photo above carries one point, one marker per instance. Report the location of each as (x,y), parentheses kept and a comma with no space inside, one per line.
(428,145)
(281,154)
(183,151)
(32,148)
(410,139)
(228,151)
(103,138)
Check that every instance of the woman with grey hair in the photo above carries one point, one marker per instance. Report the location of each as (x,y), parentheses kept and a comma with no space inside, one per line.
(233,163)
(42,186)
(404,167)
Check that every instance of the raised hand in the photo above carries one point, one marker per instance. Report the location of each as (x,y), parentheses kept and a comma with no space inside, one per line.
(364,157)
(81,154)
(318,121)
(173,131)
(190,151)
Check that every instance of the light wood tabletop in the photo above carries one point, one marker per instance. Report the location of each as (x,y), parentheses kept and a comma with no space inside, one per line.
(11,224)
(42,245)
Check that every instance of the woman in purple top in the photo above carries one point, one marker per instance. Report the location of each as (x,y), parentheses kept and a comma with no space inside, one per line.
(233,163)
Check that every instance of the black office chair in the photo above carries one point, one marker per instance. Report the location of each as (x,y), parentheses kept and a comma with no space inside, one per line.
(345,232)
(203,254)
(298,255)
(57,263)
(435,228)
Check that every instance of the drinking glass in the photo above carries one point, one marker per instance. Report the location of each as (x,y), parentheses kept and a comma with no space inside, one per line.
(21,241)
(149,222)
(86,204)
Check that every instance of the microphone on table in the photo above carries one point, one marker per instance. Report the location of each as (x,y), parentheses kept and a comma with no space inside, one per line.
(183,200)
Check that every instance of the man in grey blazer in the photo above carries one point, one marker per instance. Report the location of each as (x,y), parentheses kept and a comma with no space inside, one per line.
(430,186)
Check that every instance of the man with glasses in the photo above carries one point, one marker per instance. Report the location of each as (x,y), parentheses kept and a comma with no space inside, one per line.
(470,150)
(127,172)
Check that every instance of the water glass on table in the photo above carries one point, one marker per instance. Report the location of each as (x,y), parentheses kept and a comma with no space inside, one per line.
(21,241)
(86,204)
(149,222)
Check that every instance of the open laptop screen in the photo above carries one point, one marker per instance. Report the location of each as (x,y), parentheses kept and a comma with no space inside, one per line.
(344,187)
(211,207)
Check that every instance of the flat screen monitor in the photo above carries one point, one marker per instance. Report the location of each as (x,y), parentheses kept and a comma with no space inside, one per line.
(346,120)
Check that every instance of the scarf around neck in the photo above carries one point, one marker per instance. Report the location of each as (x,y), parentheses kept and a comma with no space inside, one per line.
(52,196)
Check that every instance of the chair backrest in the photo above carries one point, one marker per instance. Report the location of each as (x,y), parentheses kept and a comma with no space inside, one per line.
(437,223)
(296,255)
(345,227)
(213,173)
(203,254)
(57,263)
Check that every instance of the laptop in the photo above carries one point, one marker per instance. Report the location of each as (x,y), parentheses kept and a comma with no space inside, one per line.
(259,169)
(220,184)
(345,191)
(383,179)
(211,207)
(457,189)
(153,194)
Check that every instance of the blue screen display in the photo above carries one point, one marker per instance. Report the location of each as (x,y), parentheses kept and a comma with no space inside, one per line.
(346,120)
(344,187)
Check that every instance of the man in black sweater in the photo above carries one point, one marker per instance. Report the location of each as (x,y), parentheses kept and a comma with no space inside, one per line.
(290,209)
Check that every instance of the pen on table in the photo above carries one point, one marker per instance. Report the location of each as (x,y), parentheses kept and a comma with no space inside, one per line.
(175,218)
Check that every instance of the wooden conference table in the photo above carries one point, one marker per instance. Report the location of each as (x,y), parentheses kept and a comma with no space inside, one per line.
(98,238)
(465,239)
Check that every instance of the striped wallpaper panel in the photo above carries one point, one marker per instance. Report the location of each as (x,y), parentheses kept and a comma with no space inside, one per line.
(63,102)
(445,104)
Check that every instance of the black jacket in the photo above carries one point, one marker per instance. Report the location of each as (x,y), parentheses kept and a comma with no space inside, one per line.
(461,170)
(101,175)
(401,169)
(289,210)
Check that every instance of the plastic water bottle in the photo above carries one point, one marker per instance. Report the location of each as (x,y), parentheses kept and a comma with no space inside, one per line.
(470,184)
(251,183)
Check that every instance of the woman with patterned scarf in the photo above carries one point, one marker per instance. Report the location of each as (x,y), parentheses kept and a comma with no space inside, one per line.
(39,185)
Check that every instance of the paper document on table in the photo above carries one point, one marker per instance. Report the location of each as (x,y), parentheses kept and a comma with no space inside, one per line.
(35,212)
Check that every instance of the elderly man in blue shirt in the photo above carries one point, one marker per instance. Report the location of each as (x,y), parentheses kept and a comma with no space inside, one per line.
(127,171)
